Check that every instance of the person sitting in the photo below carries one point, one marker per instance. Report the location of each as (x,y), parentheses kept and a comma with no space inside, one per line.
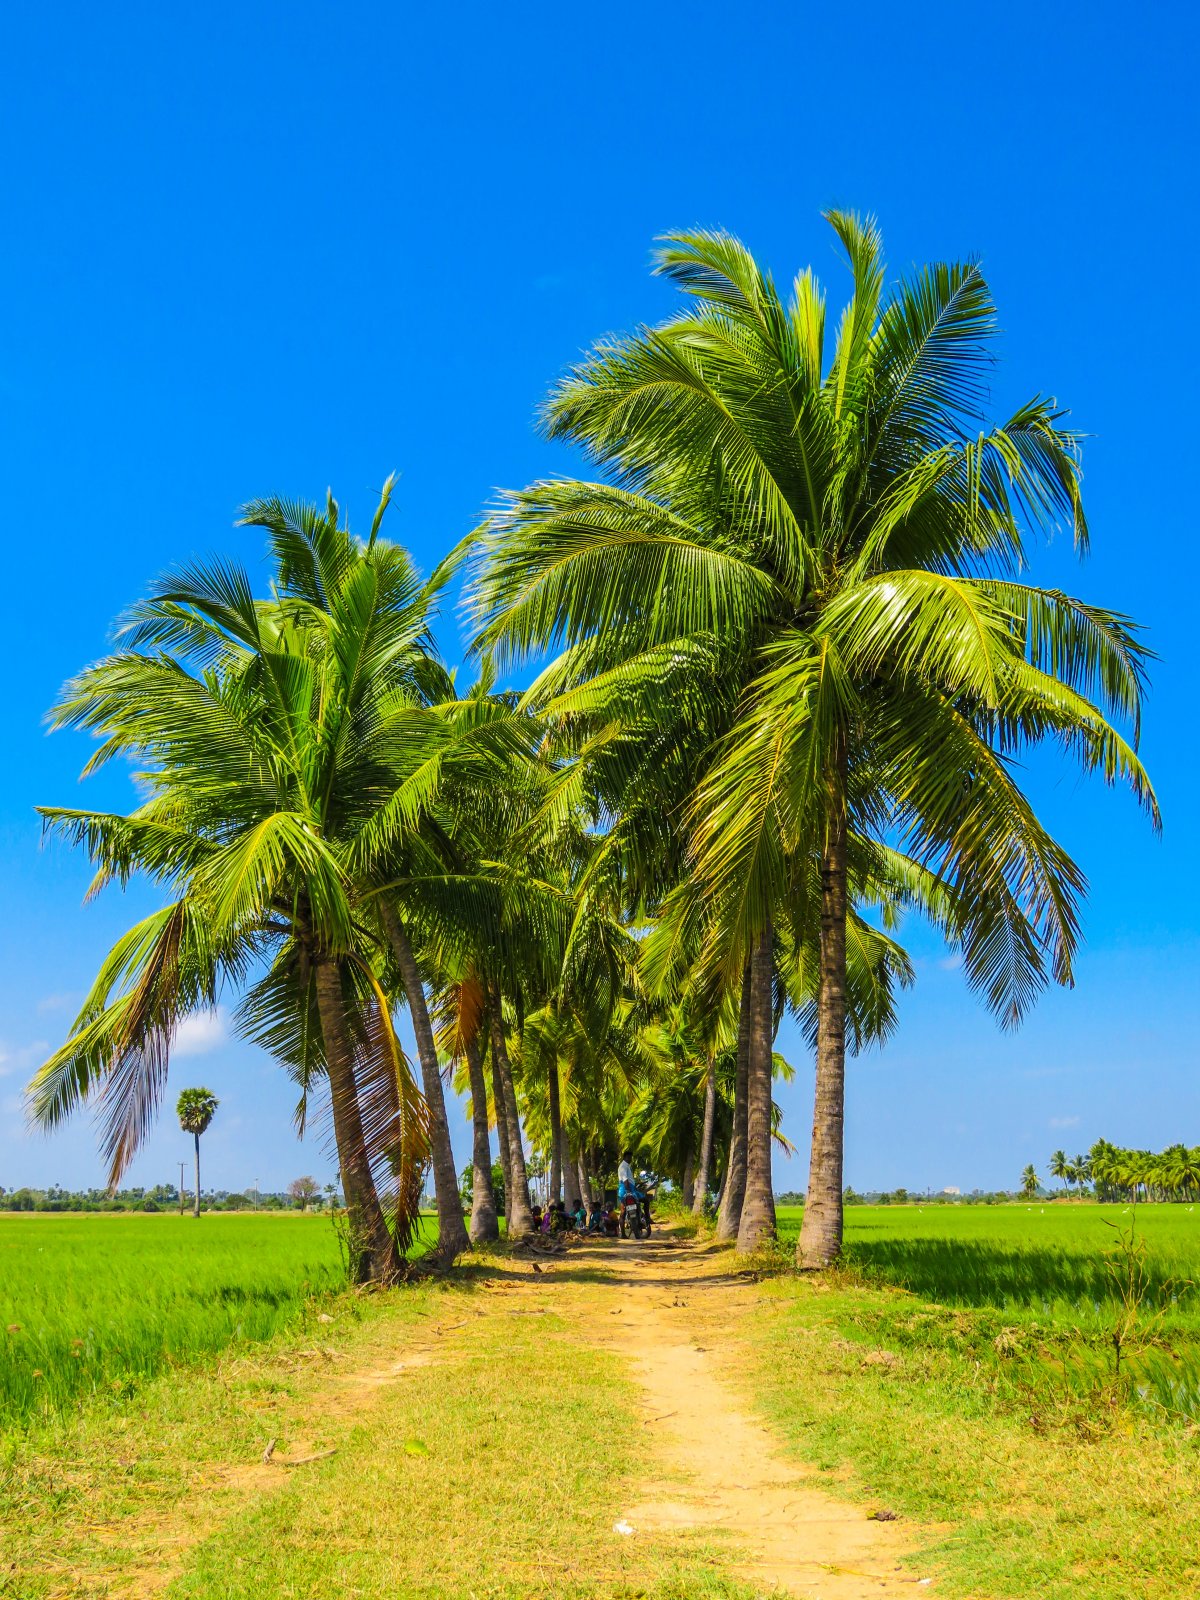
(612,1222)
(626,1183)
(536,1213)
(628,1187)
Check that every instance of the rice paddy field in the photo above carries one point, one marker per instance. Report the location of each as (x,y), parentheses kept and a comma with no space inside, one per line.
(1056,1261)
(1061,1297)
(93,1305)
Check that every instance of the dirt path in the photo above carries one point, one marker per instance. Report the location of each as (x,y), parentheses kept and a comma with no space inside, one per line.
(669,1308)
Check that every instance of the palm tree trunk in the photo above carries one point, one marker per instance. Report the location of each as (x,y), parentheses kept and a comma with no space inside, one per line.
(820,1239)
(373,1254)
(555,1134)
(688,1186)
(520,1218)
(502,1134)
(484,1223)
(452,1232)
(196,1207)
(729,1213)
(757,1223)
(570,1171)
(585,1179)
(700,1193)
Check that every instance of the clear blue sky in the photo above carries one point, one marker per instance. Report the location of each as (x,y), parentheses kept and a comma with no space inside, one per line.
(261,249)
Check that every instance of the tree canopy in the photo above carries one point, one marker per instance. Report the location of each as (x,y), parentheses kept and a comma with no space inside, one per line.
(788,669)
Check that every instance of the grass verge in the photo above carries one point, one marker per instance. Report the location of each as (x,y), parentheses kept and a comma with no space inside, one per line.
(910,1407)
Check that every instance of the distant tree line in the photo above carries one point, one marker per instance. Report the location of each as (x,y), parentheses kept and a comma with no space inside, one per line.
(301,1194)
(905,1197)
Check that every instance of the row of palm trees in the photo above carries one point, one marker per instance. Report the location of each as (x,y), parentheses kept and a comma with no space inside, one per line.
(788,672)
(1132,1175)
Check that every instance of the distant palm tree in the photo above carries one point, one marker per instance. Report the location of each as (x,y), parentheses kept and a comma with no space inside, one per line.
(1029,1181)
(195,1109)
(1059,1167)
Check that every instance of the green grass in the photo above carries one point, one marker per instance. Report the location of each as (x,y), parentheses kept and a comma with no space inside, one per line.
(959,1370)
(92,1306)
(494,1472)
(517,1456)
(1042,1261)
(1040,1288)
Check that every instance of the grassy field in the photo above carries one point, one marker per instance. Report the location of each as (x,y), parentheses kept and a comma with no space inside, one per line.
(93,1305)
(961,1369)
(1051,1261)
(452,1441)
(1049,1290)
(958,1371)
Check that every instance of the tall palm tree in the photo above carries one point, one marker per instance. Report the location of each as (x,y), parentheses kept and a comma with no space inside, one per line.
(369,610)
(824,550)
(195,1109)
(481,894)
(262,728)
(1081,1169)
(1029,1181)
(1059,1166)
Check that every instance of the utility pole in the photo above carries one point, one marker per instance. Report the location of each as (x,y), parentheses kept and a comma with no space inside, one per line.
(181,1188)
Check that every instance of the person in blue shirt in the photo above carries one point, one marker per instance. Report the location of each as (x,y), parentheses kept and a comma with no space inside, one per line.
(626,1183)
(628,1188)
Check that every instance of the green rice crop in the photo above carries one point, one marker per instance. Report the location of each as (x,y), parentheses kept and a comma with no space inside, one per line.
(92,1304)
(1048,1262)
(1040,1285)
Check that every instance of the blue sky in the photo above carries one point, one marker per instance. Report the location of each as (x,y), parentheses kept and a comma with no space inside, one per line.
(262,249)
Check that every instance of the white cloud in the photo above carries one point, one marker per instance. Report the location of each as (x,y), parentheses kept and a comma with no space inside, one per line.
(950,963)
(201,1033)
(1064,1122)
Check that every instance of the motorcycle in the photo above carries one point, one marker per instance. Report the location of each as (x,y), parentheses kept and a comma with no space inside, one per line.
(635,1215)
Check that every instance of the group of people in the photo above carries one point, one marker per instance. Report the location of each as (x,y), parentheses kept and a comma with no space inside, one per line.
(603,1217)
(598,1218)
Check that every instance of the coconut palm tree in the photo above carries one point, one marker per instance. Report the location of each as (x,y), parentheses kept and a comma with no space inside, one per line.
(462,1038)
(195,1109)
(824,550)
(1059,1166)
(263,732)
(1081,1173)
(487,889)
(1029,1181)
(367,597)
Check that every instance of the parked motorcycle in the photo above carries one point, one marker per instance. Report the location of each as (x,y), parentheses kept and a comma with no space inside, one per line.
(635,1215)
